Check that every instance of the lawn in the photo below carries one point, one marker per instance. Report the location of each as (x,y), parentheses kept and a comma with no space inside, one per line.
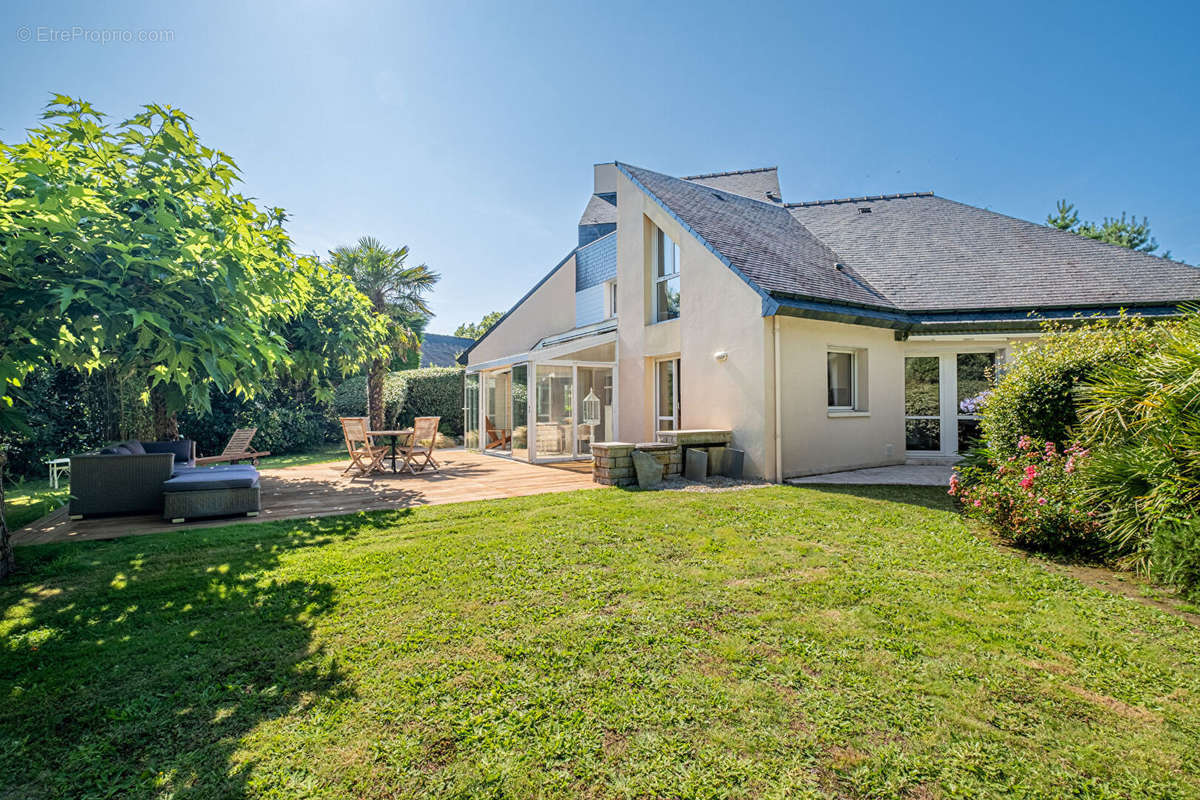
(776,642)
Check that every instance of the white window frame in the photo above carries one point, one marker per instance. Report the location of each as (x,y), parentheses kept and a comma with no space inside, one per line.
(853,378)
(660,240)
(610,297)
(675,404)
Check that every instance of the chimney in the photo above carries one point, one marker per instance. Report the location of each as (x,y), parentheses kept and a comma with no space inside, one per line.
(605,178)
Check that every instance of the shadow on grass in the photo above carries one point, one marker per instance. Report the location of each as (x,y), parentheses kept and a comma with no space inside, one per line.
(133,668)
(931,497)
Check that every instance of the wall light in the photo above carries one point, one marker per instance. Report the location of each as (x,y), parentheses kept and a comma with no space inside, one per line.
(721,355)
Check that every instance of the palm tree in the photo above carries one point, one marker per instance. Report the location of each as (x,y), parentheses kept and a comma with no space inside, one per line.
(395,290)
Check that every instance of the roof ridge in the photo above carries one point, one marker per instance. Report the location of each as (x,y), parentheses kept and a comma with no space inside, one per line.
(864,198)
(730,172)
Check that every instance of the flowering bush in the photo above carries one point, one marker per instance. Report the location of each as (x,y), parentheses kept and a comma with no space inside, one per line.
(973,405)
(1032,497)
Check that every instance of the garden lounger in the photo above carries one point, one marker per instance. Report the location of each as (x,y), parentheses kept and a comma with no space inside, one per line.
(237,450)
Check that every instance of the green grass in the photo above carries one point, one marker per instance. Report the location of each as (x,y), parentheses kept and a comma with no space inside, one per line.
(321,455)
(27,500)
(777,642)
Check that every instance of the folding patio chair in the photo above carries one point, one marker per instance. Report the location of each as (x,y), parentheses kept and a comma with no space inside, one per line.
(237,450)
(498,438)
(425,429)
(365,455)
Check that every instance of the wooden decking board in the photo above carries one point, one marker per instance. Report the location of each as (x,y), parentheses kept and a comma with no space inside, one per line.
(320,490)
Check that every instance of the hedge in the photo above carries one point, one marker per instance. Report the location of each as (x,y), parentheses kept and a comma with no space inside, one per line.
(71,413)
(1035,393)
(428,392)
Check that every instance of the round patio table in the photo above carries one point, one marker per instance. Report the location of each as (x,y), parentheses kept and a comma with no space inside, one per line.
(394,436)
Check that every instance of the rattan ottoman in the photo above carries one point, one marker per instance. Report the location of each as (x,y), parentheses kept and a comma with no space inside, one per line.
(212,492)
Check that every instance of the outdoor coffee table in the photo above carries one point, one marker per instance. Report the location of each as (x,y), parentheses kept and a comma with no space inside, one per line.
(394,436)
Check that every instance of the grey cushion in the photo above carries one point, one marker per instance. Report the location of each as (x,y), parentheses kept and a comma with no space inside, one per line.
(109,451)
(135,447)
(197,479)
(122,450)
(182,448)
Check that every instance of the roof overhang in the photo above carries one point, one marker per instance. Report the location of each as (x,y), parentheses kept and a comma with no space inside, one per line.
(965,321)
(558,347)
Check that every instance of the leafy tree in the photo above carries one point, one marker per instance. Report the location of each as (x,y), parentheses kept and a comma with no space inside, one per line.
(473,330)
(1125,232)
(124,249)
(395,290)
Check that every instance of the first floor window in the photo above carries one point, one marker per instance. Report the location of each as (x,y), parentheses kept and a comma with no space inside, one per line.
(841,369)
(666,395)
(666,278)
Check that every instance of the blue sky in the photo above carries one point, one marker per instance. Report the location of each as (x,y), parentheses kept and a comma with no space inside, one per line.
(468,131)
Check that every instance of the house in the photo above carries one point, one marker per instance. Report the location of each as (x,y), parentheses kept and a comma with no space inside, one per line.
(440,350)
(828,335)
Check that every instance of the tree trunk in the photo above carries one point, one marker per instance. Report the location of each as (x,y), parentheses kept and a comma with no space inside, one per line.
(166,426)
(6,551)
(375,393)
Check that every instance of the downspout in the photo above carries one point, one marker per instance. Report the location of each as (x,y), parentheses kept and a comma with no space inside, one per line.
(778,406)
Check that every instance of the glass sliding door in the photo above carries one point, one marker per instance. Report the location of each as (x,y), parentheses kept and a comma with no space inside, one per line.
(497,419)
(922,404)
(554,411)
(594,417)
(520,412)
(471,411)
(974,378)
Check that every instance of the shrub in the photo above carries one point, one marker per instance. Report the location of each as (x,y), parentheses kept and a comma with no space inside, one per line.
(1031,496)
(427,392)
(1144,416)
(433,391)
(350,397)
(1035,393)
(290,419)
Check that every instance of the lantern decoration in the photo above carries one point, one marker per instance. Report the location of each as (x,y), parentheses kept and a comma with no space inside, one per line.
(591,409)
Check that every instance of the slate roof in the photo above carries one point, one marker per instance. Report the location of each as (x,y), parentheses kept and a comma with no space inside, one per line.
(927,253)
(439,350)
(763,242)
(601,209)
(757,184)
(916,253)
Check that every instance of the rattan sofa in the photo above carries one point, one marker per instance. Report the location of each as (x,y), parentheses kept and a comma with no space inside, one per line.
(159,477)
(121,480)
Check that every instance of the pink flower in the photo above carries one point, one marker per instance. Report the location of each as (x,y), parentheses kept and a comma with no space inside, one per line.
(1031,472)
(1041,501)
(1024,442)
(1070,465)
(953,484)
(1026,482)
(1050,449)
(978,503)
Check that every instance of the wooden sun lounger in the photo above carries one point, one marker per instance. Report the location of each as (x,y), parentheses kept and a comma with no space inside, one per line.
(237,450)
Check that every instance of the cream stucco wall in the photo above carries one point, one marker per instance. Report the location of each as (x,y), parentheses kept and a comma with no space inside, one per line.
(549,310)
(816,440)
(719,312)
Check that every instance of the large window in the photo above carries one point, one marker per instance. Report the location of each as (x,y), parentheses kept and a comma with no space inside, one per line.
(922,404)
(520,412)
(974,379)
(666,395)
(842,371)
(666,277)
(555,411)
